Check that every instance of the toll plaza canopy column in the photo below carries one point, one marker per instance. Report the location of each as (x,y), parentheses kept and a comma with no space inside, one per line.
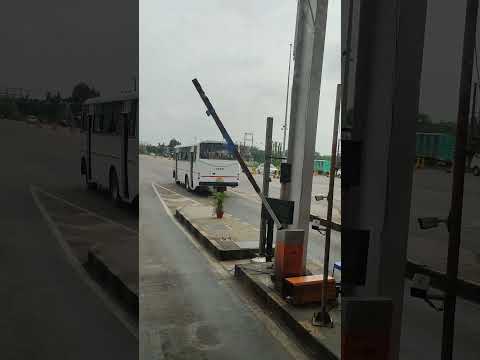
(308,55)
(381,111)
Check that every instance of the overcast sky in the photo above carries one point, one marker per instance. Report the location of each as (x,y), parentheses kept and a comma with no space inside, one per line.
(54,44)
(239,52)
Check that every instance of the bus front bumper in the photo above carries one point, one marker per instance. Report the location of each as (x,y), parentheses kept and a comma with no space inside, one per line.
(218,183)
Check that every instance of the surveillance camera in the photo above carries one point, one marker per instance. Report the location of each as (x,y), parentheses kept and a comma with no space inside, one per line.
(320,197)
(316,224)
(420,286)
(428,222)
(420,289)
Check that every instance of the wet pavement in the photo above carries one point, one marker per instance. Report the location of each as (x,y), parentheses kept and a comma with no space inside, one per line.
(49,308)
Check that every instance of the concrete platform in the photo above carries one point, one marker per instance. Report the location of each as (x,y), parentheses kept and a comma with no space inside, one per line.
(226,238)
(106,249)
(324,343)
(116,267)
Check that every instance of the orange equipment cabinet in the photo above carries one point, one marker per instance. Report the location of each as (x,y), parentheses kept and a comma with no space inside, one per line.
(308,289)
(289,250)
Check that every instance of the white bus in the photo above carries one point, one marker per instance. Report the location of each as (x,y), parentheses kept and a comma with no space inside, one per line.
(207,164)
(109,154)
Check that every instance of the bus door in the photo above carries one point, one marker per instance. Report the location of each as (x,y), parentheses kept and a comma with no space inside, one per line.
(192,159)
(176,166)
(89,141)
(124,147)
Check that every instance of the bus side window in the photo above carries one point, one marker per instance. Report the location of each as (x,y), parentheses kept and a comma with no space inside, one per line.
(112,123)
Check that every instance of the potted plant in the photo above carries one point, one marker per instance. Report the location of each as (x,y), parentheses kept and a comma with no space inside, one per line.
(219,198)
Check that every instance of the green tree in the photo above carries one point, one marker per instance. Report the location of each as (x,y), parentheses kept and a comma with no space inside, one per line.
(82,92)
(173,142)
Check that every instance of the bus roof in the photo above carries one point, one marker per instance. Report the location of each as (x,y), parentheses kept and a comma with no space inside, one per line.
(114,98)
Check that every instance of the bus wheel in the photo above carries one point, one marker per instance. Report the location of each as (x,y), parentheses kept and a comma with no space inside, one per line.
(86,184)
(476,171)
(135,206)
(114,188)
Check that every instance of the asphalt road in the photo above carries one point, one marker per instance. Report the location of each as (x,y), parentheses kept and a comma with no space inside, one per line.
(190,308)
(49,308)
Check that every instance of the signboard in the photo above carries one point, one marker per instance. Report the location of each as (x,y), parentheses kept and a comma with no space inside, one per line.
(282,208)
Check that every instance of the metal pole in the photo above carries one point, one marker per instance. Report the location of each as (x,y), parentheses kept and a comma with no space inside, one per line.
(266,182)
(325,318)
(286,103)
(211,111)
(455,218)
(471,134)
(346,65)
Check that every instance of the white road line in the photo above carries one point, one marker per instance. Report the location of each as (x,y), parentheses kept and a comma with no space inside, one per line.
(129,229)
(218,268)
(271,326)
(248,197)
(77,266)
(174,192)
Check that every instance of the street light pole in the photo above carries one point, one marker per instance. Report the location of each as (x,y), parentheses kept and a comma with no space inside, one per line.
(286,103)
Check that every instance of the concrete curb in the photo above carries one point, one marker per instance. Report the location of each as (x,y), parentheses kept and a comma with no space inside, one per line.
(319,350)
(220,254)
(107,276)
(465,289)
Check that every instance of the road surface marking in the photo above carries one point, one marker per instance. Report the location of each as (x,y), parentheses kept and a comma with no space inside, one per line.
(246,196)
(218,269)
(77,266)
(272,327)
(174,192)
(127,228)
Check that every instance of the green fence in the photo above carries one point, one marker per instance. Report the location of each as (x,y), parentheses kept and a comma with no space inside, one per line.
(321,166)
(435,146)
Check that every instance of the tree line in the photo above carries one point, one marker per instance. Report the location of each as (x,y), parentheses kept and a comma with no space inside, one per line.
(51,109)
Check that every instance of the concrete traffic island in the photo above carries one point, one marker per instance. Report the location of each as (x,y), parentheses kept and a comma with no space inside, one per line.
(108,251)
(227,238)
(324,343)
(115,266)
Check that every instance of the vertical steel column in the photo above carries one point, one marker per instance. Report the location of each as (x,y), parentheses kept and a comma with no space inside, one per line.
(455,218)
(266,182)
(331,188)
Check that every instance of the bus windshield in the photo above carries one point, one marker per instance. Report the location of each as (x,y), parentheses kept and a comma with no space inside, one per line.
(215,151)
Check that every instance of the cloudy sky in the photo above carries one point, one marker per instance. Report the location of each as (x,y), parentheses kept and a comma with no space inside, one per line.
(239,52)
(54,44)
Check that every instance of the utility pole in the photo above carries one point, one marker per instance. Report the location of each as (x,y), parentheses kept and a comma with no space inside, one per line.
(266,185)
(286,102)
(455,217)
